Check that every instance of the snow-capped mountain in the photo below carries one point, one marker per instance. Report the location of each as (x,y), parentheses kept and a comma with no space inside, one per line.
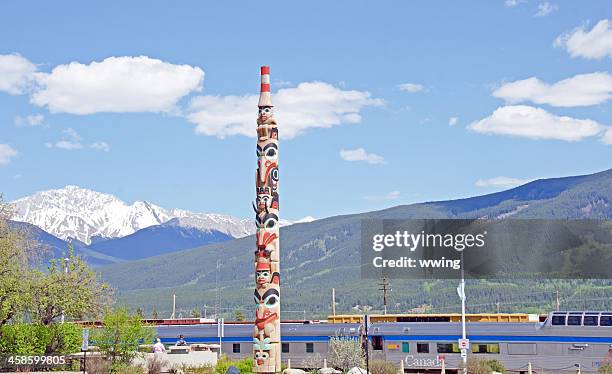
(79,213)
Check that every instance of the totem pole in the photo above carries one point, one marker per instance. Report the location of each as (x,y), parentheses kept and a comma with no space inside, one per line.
(266,334)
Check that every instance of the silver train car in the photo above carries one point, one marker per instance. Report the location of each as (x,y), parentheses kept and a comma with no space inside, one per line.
(561,343)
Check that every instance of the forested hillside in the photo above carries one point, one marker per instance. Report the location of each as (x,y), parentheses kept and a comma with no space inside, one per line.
(323,254)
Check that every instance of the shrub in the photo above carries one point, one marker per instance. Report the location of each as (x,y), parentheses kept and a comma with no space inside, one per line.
(606,368)
(382,367)
(98,365)
(36,339)
(185,369)
(497,366)
(244,366)
(155,364)
(345,353)
(122,368)
(480,366)
(205,369)
(312,363)
(121,336)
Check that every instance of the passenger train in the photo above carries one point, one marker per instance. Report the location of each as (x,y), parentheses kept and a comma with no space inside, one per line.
(560,342)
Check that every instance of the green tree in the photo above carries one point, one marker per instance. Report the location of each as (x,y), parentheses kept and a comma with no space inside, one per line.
(16,251)
(239,316)
(37,339)
(344,353)
(68,287)
(195,313)
(121,335)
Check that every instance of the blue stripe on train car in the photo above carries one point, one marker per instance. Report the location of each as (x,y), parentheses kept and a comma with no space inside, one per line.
(503,338)
(452,338)
(245,339)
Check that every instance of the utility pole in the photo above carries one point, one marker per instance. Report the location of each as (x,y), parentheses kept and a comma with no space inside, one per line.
(333,301)
(385,287)
(367,344)
(218,296)
(173,316)
(66,272)
(462,296)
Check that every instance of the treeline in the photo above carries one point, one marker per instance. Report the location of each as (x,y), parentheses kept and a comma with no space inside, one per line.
(36,294)
(433,296)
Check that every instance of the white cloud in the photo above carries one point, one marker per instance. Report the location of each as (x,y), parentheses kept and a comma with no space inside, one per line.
(607,136)
(545,9)
(281,83)
(535,123)
(393,195)
(116,84)
(16,74)
(411,87)
(594,44)
(100,146)
(72,134)
(6,153)
(309,105)
(67,145)
(71,142)
(453,121)
(500,182)
(31,120)
(360,154)
(579,90)
(513,3)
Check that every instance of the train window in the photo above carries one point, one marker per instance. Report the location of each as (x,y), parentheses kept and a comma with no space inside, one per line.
(422,347)
(377,343)
(605,321)
(590,320)
(285,347)
(236,347)
(405,347)
(448,348)
(558,320)
(574,320)
(485,348)
(493,348)
(309,347)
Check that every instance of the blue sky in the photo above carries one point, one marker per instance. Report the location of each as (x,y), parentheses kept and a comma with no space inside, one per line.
(379,104)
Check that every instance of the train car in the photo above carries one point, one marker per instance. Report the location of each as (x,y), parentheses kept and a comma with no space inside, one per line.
(561,343)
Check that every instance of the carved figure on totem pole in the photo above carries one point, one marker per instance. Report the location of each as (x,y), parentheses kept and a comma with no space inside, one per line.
(266,332)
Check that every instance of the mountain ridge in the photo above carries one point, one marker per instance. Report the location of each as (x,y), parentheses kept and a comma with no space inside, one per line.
(80,213)
(103,228)
(326,251)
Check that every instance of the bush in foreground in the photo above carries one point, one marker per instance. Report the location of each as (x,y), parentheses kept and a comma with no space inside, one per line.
(37,339)
(382,367)
(121,336)
(606,368)
(244,366)
(480,366)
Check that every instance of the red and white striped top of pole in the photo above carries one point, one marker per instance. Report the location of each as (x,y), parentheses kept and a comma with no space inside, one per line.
(265,99)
